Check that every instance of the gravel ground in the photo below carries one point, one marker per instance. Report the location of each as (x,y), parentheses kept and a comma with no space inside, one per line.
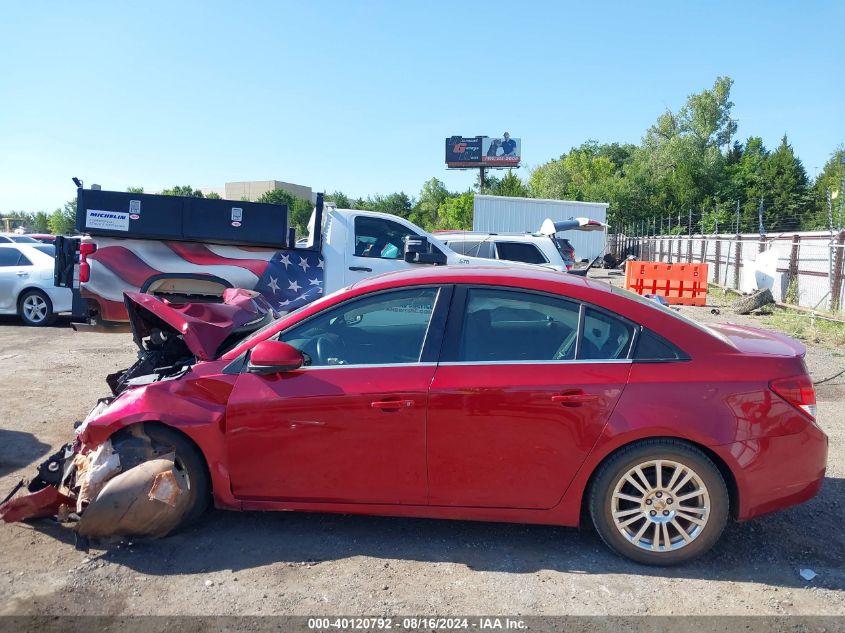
(304,564)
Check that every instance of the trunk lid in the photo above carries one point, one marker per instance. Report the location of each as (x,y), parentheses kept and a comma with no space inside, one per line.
(752,340)
(204,327)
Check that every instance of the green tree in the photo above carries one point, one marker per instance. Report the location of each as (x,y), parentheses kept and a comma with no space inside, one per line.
(787,197)
(340,199)
(510,185)
(41,222)
(299,210)
(63,220)
(136,190)
(831,180)
(394,203)
(432,195)
(456,212)
(214,196)
(182,190)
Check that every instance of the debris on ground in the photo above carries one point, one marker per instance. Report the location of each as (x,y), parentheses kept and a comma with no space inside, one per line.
(807,574)
(754,301)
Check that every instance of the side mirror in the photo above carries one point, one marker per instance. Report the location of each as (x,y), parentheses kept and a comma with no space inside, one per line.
(419,251)
(273,357)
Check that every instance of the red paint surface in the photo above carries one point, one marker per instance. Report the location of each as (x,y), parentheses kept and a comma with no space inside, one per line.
(486,442)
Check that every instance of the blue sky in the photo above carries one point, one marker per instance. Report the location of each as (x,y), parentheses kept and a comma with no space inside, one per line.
(358,96)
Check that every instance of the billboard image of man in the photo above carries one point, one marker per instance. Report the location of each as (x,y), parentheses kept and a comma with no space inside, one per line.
(508,145)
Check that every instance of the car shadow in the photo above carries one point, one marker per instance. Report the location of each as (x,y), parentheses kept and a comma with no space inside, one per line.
(18,450)
(62,321)
(768,550)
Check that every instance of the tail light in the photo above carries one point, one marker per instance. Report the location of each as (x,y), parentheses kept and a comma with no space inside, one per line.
(797,391)
(85,249)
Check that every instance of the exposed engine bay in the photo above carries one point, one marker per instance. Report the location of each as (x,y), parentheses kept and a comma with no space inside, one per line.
(134,483)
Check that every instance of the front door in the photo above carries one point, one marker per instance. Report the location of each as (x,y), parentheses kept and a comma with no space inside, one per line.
(349,427)
(519,398)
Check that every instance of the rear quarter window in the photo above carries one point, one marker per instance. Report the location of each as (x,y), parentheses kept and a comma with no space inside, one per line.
(652,347)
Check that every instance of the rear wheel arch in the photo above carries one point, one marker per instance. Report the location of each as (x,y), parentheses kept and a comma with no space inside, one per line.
(721,465)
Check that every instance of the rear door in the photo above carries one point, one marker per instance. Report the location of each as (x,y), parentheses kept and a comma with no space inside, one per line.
(525,385)
(12,276)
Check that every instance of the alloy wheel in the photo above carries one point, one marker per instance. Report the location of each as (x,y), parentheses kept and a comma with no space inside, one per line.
(660,505)
(35,308)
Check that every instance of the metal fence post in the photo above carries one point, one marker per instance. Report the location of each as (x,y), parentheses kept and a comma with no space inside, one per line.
(718,259)
(703,249)
(792,284)
(737,260)
(838,273)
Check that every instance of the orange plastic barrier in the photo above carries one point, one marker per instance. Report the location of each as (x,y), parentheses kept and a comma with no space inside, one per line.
(684,284)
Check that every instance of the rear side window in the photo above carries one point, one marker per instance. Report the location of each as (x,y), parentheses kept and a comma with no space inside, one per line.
(605,337)
(473,248)
(520,252)
(47,249)
(652,347)
(12,257)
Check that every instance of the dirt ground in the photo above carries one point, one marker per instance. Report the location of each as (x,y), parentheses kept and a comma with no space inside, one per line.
(309,564)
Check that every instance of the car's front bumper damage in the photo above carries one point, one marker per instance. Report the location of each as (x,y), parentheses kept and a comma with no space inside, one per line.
(123,487)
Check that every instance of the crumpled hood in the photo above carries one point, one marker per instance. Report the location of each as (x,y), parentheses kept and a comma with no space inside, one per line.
(203,326)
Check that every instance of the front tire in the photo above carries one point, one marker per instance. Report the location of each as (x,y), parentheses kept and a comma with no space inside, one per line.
(36,309)
(659,502)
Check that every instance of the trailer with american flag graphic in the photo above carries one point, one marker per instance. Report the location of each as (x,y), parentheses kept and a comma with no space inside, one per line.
(193,249)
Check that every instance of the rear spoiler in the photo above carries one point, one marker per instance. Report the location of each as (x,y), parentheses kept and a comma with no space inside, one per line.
(550,227)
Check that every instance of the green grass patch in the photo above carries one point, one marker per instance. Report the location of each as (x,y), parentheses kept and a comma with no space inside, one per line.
(803,326)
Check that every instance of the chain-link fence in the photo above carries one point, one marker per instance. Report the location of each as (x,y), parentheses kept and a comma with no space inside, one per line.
(807,268)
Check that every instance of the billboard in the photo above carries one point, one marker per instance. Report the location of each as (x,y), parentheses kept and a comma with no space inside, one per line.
(483,151)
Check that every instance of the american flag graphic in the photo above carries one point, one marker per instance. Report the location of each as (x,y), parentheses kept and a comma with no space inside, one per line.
(286,278)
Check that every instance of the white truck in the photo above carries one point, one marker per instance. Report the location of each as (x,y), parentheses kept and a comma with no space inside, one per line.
(192,249)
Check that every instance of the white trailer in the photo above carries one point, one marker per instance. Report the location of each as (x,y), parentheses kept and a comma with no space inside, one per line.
(501,214)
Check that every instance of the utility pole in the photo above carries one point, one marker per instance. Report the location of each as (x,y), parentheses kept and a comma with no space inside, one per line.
(760,217)
(689,226)
(670,224)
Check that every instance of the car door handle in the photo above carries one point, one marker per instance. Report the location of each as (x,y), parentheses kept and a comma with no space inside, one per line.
(361,269)
(22,273)
(392,405)
(575,399)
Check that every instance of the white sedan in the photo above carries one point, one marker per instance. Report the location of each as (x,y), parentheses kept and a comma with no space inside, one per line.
(26,283)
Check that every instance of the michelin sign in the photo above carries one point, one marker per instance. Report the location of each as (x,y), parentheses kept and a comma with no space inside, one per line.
(108,220)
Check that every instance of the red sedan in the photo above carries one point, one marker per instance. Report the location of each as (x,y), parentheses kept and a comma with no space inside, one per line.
(460,393)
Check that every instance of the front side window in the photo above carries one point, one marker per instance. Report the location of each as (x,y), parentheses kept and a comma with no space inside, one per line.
(377,237)
(520,252)
(503,325)
(385,328)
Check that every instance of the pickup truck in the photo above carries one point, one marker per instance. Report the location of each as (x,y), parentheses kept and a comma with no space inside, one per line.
(192,250)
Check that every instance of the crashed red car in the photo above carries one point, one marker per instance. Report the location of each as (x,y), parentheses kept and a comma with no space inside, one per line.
(462,393)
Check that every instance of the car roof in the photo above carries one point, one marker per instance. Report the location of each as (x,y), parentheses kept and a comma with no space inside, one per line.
(454,235)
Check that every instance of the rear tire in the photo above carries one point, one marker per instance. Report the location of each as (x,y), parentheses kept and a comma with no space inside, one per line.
(642,513)
(36,309)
